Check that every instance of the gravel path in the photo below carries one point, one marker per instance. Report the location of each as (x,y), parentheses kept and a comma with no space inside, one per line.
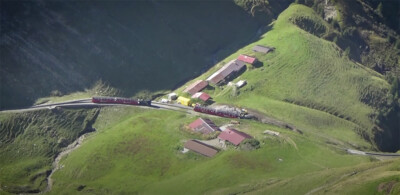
(56,166)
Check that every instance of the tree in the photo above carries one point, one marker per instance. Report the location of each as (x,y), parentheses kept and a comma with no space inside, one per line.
(379,9)
(347,52)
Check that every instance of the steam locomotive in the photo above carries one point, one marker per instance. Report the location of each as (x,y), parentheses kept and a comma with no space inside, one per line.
(221,113)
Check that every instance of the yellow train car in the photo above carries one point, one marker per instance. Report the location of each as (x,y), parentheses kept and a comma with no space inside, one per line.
(184,101)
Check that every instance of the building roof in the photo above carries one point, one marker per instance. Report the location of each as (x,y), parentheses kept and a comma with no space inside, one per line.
(262,49)
(234,136)
(226,70)
(196,87)
(201,148)
(247,59)
(201,95)
(204,126)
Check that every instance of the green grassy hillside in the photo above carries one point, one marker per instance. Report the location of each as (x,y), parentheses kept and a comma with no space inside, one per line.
(30,141)
(307,81)
(139,152)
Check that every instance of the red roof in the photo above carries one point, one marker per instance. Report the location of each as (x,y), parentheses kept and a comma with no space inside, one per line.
(234,136)
(201,95)
(196,87)
(226,70)
(247,59)
(204,126)
(201,148)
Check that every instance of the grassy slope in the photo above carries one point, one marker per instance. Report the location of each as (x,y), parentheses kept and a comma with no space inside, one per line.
(29,142)
(135,150)
(306,81)
(138,153)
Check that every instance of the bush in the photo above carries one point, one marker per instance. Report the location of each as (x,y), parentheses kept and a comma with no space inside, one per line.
(250,144)
(397,44)
(56,93)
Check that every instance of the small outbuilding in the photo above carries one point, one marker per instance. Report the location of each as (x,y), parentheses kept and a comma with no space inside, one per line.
(241,83)
(247,59)
(201,148)
(172,96)
(184,101)
(196,87)
(262,49)
(204,126)
(202,96)
(233,136)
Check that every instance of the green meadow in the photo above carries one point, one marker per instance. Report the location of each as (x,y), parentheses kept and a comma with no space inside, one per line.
(306,81)
(140,153)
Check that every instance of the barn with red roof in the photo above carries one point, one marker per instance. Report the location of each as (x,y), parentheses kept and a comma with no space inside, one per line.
(196,87)
(226,71)
(201,148)
(247,59)
(204,126)
(202,96)
(233,136)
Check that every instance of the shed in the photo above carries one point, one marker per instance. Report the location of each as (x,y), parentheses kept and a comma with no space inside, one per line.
(234,136)
(196,87)
(241,83)
(183,101)
(225,71)
(201,95)
(262,49)
(172,96)
(247,59)
(201,148)
(204,126)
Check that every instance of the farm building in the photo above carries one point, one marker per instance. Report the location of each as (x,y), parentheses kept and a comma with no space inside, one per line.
(196,87)
(234,136)
(262,49)
(247,59)
(204,126)
(201,148)
(201,95)
(184,101)
(229,68)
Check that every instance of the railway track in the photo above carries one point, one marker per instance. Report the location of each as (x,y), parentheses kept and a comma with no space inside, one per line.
(84,103)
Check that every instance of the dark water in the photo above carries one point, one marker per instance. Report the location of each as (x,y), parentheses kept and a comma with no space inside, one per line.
(132,45)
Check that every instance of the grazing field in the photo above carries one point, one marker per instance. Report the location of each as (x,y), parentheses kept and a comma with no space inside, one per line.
(307,81)
(138,151)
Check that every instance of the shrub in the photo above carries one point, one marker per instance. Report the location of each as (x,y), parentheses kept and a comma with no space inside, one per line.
(250,144)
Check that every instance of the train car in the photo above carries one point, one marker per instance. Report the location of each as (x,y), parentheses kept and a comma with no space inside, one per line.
(216,112)
(115,100)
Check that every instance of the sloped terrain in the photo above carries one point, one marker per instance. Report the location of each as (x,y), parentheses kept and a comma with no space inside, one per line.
(308,81)
(30,141)
(139,151)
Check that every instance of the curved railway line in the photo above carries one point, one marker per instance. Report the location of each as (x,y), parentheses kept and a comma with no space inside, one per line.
(82,103)
(88,102)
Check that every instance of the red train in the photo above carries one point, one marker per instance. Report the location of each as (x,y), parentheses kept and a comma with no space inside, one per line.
(216,112)
(120,100)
